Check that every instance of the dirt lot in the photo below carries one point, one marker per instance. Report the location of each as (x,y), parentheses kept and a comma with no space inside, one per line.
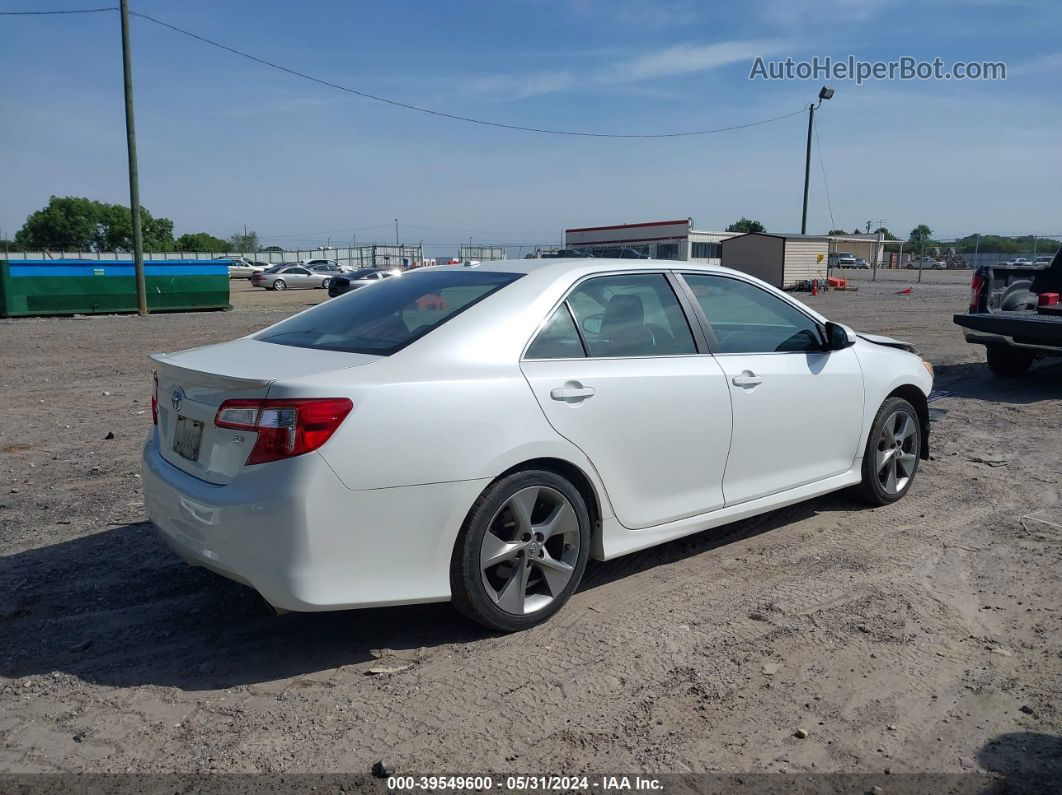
(918,637)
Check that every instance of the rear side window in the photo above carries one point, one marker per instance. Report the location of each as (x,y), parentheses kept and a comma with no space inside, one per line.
(391,315)
(631,315)
(558,339)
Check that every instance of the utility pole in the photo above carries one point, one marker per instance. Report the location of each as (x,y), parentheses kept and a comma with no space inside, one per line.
(824,93)
(134,177)
(396,231)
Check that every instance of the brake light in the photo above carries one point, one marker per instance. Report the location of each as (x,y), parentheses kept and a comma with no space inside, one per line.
(976,284)
(155,399)
(285,428)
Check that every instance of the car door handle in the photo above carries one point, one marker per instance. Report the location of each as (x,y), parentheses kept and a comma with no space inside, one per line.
(572,392)
(747,379)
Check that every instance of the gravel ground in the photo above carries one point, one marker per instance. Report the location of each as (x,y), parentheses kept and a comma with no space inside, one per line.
(923,636)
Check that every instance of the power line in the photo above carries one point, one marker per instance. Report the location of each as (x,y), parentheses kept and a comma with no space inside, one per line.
(443,114)
(408,106)
(825,184)
(55,12)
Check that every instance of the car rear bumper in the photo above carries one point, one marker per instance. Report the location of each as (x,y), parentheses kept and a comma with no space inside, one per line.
(293,532)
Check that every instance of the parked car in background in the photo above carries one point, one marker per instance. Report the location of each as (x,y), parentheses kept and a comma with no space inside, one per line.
(1020,262)
(925,263)
(283,276)
(844,260)
(329,270)
(311,263)
(243,268)
(568,253)
(1042,262)
(352,281)
(860,263)
(476,434)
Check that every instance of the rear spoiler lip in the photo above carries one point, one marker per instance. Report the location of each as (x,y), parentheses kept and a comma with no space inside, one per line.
(218,379)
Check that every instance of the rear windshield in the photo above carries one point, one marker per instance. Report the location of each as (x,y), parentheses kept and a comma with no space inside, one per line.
(391,315)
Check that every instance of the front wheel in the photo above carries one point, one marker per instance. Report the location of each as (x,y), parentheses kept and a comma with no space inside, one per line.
(1008,362)
(891,458)
(521,552)
(324,283)
(279,284)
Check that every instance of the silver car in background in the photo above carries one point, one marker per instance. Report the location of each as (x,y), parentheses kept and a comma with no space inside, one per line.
(243,268)
(284,276)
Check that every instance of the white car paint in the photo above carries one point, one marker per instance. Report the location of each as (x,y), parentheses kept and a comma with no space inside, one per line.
(669,445)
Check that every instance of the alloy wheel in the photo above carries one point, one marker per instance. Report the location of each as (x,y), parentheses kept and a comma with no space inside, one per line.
(530,549)
(896,455)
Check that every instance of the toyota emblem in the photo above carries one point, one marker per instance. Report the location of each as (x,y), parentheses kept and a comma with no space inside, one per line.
(176,398)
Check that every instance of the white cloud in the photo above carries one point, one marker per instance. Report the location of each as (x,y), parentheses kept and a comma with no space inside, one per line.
(681,59)
(1051,62)
(640,13)
(521,86)
(694,58)
(796,13)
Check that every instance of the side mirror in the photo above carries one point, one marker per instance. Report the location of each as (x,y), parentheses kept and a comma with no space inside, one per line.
(838,337)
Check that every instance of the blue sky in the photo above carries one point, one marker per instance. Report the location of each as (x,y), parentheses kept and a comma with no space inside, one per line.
(225,142)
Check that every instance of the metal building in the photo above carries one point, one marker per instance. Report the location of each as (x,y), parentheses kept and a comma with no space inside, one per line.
(675,240)
(780,260)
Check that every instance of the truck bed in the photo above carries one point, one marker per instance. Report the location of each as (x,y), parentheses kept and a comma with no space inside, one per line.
(1023,326)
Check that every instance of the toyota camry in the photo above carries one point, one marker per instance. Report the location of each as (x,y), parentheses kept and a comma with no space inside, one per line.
(476,434)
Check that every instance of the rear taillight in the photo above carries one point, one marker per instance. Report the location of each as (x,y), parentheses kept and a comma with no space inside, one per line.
(155,400)
(285,428)
(975,291)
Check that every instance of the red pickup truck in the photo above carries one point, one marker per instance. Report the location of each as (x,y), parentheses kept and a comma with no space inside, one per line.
(1016,313)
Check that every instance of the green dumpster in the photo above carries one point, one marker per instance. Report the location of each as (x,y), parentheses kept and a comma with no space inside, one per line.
(67,287)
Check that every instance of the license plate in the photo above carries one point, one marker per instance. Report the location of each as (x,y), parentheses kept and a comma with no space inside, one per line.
(186,438)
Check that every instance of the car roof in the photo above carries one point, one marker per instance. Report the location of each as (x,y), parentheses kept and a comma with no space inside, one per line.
(552,268)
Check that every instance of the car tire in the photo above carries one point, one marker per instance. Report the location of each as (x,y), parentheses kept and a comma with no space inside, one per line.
(890,460)
(324,283)
(280,284)
(521,551)
(1008,362)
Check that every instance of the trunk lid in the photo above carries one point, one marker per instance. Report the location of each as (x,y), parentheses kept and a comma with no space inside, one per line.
(192,385)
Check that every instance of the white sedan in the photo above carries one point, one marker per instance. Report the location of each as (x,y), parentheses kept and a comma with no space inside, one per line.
(476,434)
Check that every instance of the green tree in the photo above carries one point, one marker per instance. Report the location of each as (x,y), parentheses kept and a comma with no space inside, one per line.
(74,223)
(244,242)
(837,232)
(201,241)
(272,248)
(920,233)
(744,224)
(885,233)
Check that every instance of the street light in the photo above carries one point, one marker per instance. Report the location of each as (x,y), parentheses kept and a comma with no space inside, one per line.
(824,93)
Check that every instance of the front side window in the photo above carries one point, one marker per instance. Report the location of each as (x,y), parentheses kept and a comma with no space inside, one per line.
(390,316)
(630,315)
(748,319)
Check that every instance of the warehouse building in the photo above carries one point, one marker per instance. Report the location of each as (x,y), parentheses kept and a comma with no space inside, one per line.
(780,260)
(675,240)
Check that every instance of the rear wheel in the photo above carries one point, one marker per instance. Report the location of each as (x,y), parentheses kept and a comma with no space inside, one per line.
(324,283)
(522,551)
(279,284)
(891,458)
(1008,362)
